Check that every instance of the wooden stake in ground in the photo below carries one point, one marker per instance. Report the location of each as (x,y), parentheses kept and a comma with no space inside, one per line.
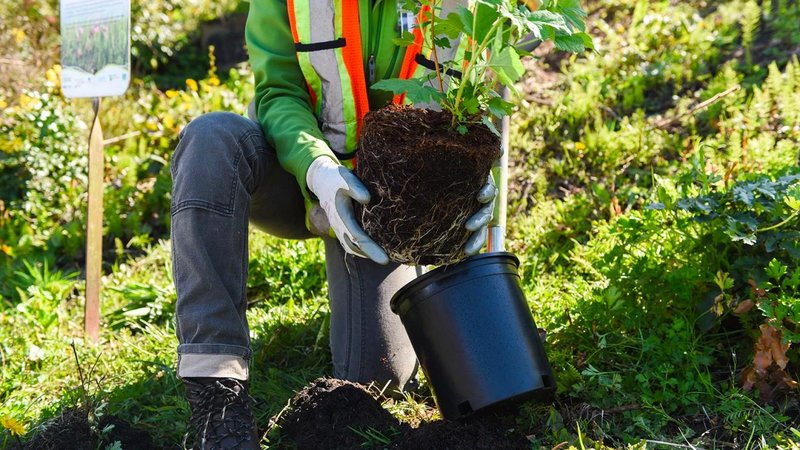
(95,66)
(94,231)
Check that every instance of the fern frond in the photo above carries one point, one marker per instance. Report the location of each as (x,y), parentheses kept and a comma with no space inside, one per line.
(750,20)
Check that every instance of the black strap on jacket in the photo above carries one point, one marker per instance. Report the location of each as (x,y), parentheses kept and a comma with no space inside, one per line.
(430,65)
(317,46)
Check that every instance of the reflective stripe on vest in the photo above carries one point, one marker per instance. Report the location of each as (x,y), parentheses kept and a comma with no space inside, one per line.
(328,43)
(327,38)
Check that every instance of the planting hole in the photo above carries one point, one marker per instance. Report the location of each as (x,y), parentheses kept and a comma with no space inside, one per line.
(547,380)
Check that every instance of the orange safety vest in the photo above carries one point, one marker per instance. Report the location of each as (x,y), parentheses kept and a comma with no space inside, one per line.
(327,36)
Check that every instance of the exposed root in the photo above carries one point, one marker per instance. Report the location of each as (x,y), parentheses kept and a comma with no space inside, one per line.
(424,178)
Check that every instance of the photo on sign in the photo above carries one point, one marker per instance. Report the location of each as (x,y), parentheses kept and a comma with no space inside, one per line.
(95,47)
(91,47)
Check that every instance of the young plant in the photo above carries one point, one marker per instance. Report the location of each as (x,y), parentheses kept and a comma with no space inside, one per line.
(490,34)
(418,212)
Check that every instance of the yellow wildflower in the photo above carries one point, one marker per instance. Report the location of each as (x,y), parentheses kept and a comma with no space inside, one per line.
(19,35)
(25,101)
(213,81)
(11,145)
(151,126)
(169,122)
(54,74)
(580,146)
(171,93)
(192,84)
(7,250)
(12,425)
(3,104)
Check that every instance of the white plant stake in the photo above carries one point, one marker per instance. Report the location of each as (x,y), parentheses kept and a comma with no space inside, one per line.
(95,61)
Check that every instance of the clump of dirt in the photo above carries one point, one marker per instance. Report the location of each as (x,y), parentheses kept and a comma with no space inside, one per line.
(71,430)
(329,413)
(424,177)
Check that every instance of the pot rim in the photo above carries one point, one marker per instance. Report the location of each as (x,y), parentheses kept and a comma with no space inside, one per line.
(446,271)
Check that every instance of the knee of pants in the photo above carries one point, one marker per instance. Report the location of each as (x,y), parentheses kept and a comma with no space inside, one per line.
(210,162)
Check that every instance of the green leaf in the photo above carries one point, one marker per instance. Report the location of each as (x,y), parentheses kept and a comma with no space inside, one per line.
(450,26)
(543,17)
(744,194)
(588,42)
(499,107)
(573,13)
(486,15)
(455,23)
(792,202)
(461,18)
(507,65)
(776,270)
(570,42)
(405,40)
(442,42)
(794,280)
(415,90)
(471,105)
(490,125)
(483,20)
(516,17)
(738,231)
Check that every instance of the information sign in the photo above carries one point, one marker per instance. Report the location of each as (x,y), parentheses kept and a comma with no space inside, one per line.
(95,47)
(95,62)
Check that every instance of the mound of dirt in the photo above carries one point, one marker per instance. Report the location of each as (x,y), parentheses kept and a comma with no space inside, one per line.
(335,414)
(329,413)
(71,430)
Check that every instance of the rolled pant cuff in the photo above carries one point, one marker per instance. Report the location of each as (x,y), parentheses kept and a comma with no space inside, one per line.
(199,365)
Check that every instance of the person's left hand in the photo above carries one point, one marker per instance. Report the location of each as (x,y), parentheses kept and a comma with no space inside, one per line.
(478,223)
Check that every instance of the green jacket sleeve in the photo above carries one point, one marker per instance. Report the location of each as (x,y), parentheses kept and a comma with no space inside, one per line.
(282,102)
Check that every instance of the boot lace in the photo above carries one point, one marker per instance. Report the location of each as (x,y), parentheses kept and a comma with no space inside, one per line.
(221,416)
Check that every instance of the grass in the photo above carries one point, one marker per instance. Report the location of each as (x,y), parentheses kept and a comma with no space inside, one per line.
(643,225)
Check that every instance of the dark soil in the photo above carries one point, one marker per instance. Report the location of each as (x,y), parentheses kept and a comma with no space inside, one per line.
(327,413)
(71,430)
(423,177)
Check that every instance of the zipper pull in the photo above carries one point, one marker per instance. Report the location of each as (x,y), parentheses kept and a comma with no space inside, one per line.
(371,68)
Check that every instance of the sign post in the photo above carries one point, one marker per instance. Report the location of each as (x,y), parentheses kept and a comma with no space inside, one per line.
(95,61)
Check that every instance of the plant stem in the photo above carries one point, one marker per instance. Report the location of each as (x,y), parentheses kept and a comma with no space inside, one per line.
(472,61)
(433,47)
(779,224)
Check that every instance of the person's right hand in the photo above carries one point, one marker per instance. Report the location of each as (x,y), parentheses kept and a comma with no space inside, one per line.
(336,188)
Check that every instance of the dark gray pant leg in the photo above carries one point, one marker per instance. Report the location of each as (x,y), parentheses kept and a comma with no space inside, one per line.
(218,168)
(368,341)
(224,173)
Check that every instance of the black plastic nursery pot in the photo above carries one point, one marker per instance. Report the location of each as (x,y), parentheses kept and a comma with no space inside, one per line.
(474,335)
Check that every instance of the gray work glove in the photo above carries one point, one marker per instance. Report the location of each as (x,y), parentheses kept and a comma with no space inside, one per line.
(336,188)
(479,221)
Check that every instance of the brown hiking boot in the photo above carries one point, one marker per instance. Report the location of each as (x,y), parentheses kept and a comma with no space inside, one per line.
(221,416)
